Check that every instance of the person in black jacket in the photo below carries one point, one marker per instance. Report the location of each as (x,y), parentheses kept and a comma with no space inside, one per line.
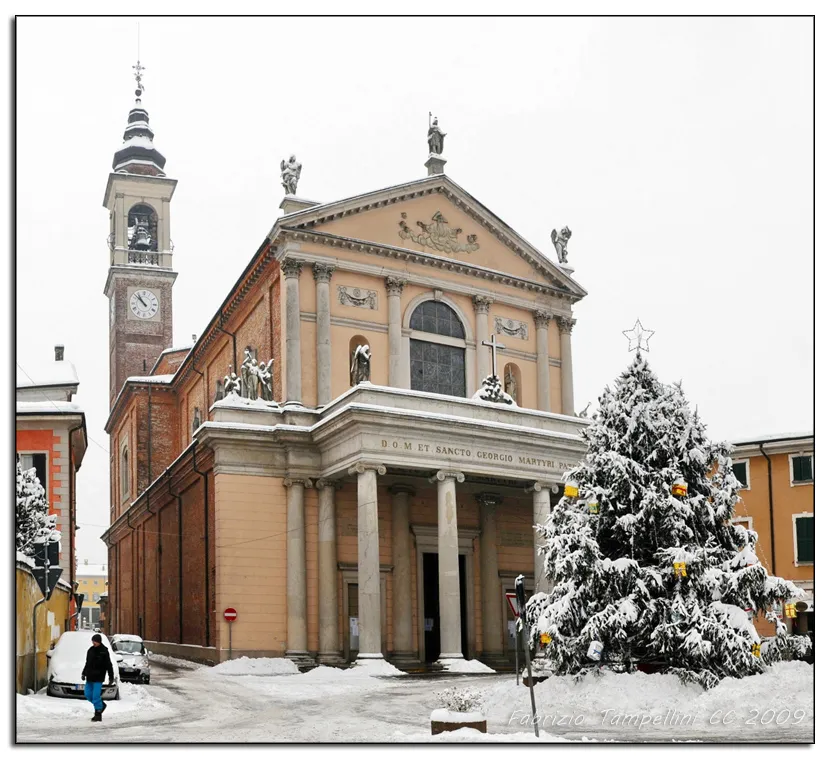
(98,665)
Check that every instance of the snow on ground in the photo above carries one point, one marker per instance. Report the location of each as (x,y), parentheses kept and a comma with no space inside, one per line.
(374,667)
(39,706)
(171,661)
(262,666)
(466,666)
(468,735)
(634,704)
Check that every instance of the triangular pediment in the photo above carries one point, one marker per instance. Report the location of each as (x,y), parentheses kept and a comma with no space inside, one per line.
(434,216)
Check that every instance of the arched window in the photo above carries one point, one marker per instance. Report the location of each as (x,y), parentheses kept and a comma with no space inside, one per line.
(437,365)
(512,382)
(125,472)
(142,228)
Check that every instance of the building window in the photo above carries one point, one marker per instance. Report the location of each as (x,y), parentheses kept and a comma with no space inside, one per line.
(804,534)
(741,470)
(437,366)
(125,472)
(801,469)
(95,582)
(745,522)
(36,461)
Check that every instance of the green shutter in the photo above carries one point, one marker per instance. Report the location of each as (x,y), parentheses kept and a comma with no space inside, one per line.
(739,471)
(805,539)
(802,468)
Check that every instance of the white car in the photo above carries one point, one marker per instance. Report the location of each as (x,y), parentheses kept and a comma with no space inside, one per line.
(135,666)
(67,660)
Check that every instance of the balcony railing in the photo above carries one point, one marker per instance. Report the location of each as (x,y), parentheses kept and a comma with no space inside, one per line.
(143,257)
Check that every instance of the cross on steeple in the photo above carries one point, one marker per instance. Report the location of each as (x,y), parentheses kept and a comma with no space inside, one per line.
(139,86)
(493,346)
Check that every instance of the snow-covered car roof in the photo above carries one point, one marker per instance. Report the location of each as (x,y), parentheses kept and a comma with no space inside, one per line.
(126,636)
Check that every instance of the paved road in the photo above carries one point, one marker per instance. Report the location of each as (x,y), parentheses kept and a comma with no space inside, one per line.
(198,705)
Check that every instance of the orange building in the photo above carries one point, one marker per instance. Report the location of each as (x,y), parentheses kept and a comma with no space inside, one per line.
(776,472)
(51,438)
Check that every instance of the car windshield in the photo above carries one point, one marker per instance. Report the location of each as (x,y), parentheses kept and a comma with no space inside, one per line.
(128,646)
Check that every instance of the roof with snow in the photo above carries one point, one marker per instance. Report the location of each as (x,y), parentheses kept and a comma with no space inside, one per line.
(138,154)
(47,374)
(48,407)
(782,436)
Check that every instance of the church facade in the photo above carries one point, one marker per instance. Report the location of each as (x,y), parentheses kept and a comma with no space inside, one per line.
(321,459)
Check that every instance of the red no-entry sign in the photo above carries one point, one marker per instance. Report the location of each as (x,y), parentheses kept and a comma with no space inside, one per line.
(230,614)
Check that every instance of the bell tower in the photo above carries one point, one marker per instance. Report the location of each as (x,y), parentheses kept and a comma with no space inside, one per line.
(140,279)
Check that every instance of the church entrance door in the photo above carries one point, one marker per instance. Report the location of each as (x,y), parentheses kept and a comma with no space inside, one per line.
(431,606)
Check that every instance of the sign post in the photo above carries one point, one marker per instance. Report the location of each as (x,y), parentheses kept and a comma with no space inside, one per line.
(514,607)
(46,554)
(520,598)
(230,616)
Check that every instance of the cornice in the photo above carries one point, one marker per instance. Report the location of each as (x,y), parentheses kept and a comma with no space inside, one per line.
(425,259)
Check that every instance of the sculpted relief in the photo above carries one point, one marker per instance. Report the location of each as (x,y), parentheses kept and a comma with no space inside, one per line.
(438,235)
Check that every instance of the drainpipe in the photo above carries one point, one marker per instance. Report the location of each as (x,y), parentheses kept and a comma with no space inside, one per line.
(233,337)
(207,550)
(71,474)
(132,556)
(181,583)
(771,508)
(149,436)
(34,636)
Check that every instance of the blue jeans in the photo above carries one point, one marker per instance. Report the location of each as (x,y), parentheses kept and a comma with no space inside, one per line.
(92,691)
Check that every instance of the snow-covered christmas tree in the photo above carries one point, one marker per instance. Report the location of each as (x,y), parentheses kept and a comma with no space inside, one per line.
(643,563)
(32,520)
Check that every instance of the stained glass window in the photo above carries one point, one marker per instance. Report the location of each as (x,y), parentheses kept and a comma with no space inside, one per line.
(435,367)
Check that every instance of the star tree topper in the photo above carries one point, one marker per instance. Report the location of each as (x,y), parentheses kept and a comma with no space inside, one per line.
(638,337)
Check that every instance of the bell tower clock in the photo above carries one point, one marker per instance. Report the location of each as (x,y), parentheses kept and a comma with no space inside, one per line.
(140,279)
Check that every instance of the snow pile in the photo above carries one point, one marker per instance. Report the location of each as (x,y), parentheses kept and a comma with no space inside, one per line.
(466,666)
(39,706)
(491,391)
(445,715)
(374,668)
(174,662)
(264,666)
(24,559)
(634,702)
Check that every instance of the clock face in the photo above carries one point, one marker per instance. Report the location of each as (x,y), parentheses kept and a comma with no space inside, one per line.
(144,304)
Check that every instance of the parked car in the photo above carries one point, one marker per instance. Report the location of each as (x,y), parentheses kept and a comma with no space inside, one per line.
(135,664)
(67,660)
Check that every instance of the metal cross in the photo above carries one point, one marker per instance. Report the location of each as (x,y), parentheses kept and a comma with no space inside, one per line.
(138,69)
(638,337)
(494,346)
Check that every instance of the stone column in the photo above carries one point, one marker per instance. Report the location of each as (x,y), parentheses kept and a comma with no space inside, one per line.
(402,575)
(491,596)
(293,358)
(368,560)
(541,511)
(397,366)
(322,276)
(120,214)
(329,648)
(542,320)
(449,583)
(482,307)
(295,586)
(566,325)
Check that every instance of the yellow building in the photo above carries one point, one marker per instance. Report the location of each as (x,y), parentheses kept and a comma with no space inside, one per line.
(776,472)
(92,582)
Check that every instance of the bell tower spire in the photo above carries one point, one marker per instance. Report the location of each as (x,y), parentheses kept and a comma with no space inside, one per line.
(140,280)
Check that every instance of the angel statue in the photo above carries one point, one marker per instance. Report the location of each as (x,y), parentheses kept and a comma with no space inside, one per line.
(560,242)
(290,174)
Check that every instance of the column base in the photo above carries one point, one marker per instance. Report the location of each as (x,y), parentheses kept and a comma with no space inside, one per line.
(302,659)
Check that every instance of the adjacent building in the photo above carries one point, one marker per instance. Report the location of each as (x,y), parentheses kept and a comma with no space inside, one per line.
(777,500)
(319,459)
(51,438)
(92,582)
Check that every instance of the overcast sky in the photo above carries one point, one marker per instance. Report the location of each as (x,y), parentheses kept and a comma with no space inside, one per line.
(678,151)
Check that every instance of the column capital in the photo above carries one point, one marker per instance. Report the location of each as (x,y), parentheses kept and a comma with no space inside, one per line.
(540,485)
(482,303)
(367,466)
(291,481)
(395,285)
(447,474)
(291,267)
(321,272)
(542,319)
(400,488)
(322,482)
(566,324)
(489,499)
